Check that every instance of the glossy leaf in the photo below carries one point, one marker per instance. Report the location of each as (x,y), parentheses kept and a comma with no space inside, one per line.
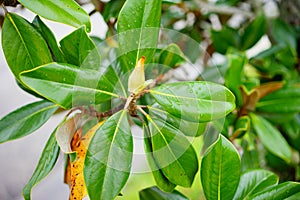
(138,28)
(80,50)
(284,100)
(49,38)
(173,153)
(23,46)
(74,86)
(161,180)
(271,137)
(25,120)
(154,193)
(253,182)
(80,146)
(282,191)
(191,129)
(220,167)
(64,11)
(253,32)
(108,160)
(45,165)
(195,101)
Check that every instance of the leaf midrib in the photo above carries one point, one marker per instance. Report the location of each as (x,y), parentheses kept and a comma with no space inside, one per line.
(21,38)
(110,147)
(165,140)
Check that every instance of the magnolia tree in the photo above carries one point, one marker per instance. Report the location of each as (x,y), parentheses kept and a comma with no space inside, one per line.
(156,71)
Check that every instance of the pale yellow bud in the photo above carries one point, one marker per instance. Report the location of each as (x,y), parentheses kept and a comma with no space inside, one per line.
(137,77)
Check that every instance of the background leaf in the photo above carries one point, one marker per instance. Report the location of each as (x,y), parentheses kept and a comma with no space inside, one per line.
(25,120)
(80,50)
(195,101)
(64,11)
(138,27)
(108,160)
(23,46)
(45,165)
(254,181)
(220,166)
(76,86)
(154,193)
(271,137)
(282,101)
(253,32)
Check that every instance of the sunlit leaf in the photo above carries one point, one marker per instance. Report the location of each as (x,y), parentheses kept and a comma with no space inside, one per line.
(74,86)
(195,101)
(138,28)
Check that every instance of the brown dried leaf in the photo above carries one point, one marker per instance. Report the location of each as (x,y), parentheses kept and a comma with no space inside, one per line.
(80,145)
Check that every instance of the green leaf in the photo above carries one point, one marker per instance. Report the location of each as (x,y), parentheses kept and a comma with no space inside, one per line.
(80,50)
(112,9)
(138,28)
(23,46)
(108,159)
(279,192)
(49,38)
(285,100)
(74,85)
(171,56)
(253,32)
(235,74)
(242,126)
(25,120)
(195,101)
(253,182)
(154,193)
(224,39)
(161,180)
(173,153)
(45,165)
(271,137)
(64,11)
(220,167)
(283,33)
(191,129)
